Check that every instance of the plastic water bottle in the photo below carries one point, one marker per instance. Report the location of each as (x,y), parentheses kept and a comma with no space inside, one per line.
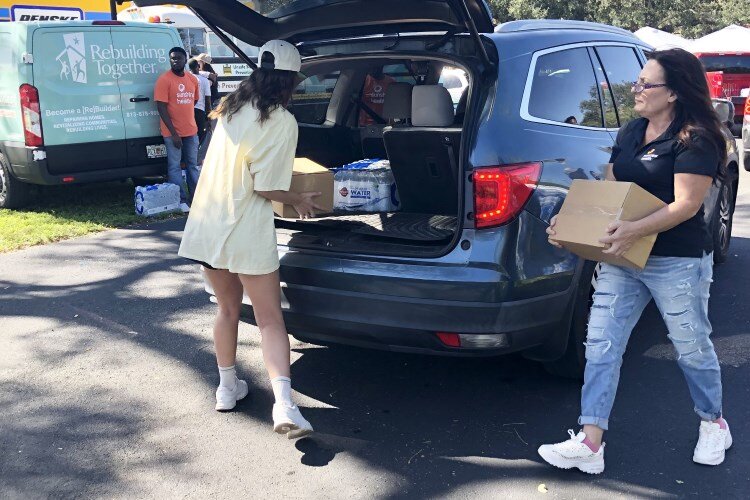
(156,199)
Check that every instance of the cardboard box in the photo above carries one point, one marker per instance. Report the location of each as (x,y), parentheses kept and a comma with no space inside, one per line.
(308,176)
(591,206)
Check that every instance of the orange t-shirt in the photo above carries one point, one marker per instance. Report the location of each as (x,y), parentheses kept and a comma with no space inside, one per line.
(373,95)
(180,94)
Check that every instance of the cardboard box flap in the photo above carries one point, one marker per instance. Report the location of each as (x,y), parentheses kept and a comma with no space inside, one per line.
(305,166)
(640,204)
(601,197)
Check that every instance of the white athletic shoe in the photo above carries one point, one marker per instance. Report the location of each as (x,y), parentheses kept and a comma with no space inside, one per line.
(288,420)
(185,208)
(226,399)
(713,442)
(574,453)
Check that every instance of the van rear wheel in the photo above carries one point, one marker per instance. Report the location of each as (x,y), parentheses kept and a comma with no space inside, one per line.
(13,193)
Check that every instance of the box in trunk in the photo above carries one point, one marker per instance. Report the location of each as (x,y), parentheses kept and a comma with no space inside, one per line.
(308,176)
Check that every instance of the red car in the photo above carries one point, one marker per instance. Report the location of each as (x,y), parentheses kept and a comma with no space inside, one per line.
(727,74)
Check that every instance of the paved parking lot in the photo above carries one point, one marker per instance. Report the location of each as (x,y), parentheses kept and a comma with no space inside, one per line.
(107,377)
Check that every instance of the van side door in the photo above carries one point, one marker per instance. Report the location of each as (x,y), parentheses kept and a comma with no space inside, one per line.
(142,55)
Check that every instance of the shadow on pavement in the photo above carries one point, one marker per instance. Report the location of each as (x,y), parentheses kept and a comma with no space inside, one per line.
(438,424)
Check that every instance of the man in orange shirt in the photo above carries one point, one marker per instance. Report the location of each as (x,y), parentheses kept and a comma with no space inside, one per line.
(373,95)
(176,93)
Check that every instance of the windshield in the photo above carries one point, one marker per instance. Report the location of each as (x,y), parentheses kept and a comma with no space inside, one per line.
(727,64)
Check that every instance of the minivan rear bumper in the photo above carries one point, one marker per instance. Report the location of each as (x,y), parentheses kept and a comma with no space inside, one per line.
(405,324)
(30,165)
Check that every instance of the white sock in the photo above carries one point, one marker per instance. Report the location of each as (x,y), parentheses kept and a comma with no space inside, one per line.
(228,377)
(282,390)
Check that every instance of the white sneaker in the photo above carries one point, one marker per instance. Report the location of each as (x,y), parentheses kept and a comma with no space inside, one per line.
(574,453)
(185,208)
(713,442)
(288,420)
(226,399)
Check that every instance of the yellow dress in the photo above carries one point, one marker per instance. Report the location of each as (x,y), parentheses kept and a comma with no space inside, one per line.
(230,226)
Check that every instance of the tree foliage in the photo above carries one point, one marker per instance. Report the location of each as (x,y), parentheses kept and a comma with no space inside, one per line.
(688,18)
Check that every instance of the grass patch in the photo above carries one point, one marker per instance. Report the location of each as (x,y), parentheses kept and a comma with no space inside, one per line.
(62,212)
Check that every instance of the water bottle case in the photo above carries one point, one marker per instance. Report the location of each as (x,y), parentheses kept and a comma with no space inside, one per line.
(365,186)
(156,199)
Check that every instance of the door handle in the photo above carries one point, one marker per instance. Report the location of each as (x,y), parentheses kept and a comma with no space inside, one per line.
(139,98)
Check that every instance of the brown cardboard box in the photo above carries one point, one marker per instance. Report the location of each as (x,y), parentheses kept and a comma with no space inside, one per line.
(591,206)
(308,176)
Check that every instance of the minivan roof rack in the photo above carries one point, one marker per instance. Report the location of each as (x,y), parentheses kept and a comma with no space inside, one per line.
(545,24)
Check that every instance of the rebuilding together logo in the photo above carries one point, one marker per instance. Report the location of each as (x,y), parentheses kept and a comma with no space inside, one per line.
(106,60)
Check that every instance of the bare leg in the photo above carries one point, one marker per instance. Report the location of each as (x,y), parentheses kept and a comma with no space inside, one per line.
(264,293)
(228,291)
(594,434)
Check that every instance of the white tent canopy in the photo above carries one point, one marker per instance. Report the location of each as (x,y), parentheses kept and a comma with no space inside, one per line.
(733,38)
(659,39)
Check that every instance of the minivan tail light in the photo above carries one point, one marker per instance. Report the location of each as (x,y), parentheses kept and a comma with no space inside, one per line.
(108,23)
(500,193)
(32,120)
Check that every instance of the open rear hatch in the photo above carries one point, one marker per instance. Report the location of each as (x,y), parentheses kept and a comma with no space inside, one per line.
(308,20)
(300,21)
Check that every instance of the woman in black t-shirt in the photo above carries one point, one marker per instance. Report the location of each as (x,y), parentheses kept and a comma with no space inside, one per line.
(674,151)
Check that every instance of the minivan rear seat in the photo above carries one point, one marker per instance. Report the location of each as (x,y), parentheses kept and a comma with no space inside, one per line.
(396,110)
(424,157)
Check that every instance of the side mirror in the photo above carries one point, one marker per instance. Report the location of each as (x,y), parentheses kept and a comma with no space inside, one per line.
(725,110)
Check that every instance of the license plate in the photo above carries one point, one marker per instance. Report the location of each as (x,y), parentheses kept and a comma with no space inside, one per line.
(156,151)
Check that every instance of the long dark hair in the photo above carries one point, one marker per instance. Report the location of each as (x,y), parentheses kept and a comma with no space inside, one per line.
(694,112)
(265,89)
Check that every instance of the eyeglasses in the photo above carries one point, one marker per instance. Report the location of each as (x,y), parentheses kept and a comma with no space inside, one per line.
(637,88)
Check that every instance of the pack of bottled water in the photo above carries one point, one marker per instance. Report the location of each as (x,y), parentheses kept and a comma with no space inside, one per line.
(365,186)
(157,199)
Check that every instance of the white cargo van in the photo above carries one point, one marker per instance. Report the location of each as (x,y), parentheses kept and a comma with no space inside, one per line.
(76,103)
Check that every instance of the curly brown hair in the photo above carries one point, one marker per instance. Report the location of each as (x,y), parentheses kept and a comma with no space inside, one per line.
(265,89)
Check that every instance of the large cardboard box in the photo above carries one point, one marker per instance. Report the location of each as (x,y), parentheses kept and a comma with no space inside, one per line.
(308,176)
(591,206)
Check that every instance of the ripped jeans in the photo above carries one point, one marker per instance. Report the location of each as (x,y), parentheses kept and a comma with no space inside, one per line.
(680,288)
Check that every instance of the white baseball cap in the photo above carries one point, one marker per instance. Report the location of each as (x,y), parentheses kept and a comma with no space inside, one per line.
(285,56)
(203,57)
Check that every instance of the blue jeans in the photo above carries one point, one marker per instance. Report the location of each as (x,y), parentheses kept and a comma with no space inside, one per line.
(188,154)
(680,288)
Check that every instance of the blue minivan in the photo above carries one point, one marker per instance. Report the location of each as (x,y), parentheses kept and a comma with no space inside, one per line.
(464,269)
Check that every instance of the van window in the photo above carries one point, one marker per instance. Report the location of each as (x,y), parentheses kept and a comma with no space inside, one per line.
(621,67)
(6,56)
(311,98)
(193,40)
(450,82)
(217,48)
(564,89)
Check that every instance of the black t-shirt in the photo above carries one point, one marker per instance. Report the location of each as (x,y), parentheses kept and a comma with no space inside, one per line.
(653,166)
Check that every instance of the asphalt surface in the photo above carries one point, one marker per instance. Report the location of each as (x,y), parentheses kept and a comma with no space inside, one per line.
(107,378)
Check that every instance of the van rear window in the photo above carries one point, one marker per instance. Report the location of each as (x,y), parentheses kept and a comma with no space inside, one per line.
(727,64)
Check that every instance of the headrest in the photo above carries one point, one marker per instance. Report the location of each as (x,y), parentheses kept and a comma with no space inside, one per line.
(397,103)
(431,106)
